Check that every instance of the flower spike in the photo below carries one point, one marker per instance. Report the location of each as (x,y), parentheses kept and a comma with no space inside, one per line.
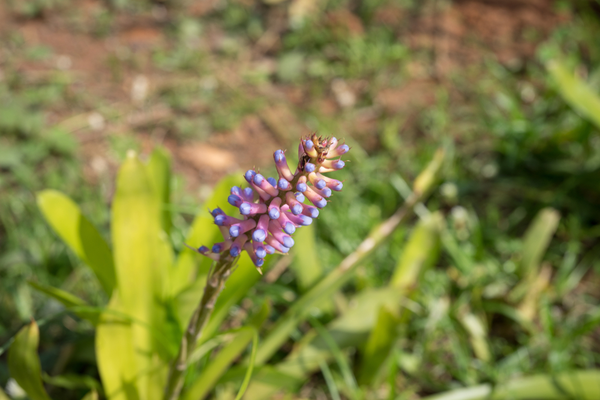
(273,208)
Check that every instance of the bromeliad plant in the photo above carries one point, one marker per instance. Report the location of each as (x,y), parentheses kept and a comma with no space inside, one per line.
(148,333)
(271,211)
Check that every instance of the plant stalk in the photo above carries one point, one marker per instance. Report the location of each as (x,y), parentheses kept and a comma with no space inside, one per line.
(214,284)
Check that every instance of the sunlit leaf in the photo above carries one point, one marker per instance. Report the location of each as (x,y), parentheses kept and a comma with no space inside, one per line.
(24,364)
(306,264)
(93,395)
(142,259)
(379,345)
(65,217)
(159,171)
(576,92)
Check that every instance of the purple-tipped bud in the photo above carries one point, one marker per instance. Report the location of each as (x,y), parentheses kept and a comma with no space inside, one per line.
(238,244)
(335,185)
(325,192)
(274,213)
(288,242)
(234,200)
(333,165)
(300,197)
(272,181)
(252,208)
(299,220)
(241,227)
(333,142)
(283,184)
(315,198)
(301,185)
(275,230)
(310,211)
(309,167)
(269,249)
(339,164)
(338,151)
(236,190)
(249,175)
(259,235)
(225,220)
(259,262)
(217,248)
(309,148)
(281,165)
(294,204)
(271,241)
(261,252)
(248,195)
(289,228)
(320,184)
(216,211)
(258,179)
(203,249)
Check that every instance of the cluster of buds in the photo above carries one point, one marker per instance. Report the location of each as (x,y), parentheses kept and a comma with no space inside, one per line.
(272,209)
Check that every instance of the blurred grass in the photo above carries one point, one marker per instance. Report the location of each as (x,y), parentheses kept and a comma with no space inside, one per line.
(507,297)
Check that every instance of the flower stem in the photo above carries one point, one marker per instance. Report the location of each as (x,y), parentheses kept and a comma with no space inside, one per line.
(214,284)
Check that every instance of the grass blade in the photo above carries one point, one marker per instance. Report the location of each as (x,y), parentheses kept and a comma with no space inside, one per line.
(246,381)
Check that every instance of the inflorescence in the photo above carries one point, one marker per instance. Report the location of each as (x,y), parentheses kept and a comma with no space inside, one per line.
(272,208)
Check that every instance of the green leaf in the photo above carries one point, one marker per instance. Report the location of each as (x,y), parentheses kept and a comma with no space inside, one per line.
(93,395)
(69,300)
(246,381)
(3,395)
(159,171)
(218,365)
(72,381)
(535,243)
(65,217)
(142,258)
(379,346)
(203,232)
(420,252)
(580,385)
(576,92)
(24,364)
(306,264)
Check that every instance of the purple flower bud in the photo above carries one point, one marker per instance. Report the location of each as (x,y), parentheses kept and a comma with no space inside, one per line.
(333,142)
(339,164)
(289,228)
(203,249)
(241,227)
(283,184)
(281,165)
(309,148)
(261,252)
(288,242)
(320,184)
(236,190)
(338,151)
(301,187)
(299,220)
(259,262)
(269,249)
(325,192)
(300,197)
(259,235)
(217,248)
(234,200)
(249,175)
(333,164)
(271,241)
(248,195)
(274,213)
(225,220)
(216,211)
(309,167)
(258,179)
(272,181)
(295,206)
(238,244)
(314,198)
(310,211)
(252,208)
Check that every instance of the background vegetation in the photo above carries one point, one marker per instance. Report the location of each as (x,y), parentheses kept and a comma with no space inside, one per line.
(492,279)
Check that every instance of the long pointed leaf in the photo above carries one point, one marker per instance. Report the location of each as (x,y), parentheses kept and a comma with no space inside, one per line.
(65,217)
(24,364)
(69,300)
(159,171)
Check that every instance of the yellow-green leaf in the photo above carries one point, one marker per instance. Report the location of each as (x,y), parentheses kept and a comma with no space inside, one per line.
(379,346)
(65,217)
(142,258)
(3,395)
(93,395)
(306,264)
(576,92)
(24,363)
(159,171)
(69,300)
(420,252)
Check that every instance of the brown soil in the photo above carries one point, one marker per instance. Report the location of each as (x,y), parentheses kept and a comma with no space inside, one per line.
(457,35)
